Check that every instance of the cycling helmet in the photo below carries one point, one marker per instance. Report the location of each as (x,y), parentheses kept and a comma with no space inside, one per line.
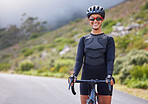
(95,9)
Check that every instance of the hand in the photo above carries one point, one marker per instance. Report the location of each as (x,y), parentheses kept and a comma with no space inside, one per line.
(112,80)
(73,78)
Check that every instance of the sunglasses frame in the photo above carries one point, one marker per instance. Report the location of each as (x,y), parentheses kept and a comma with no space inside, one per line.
(95,18)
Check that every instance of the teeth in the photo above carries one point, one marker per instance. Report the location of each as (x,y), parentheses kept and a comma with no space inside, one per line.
(95,24)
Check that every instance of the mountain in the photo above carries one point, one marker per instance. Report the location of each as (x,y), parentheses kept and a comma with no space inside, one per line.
(55,51)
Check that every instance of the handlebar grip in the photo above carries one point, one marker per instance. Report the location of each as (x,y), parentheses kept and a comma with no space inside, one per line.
(72,87)
(73,90)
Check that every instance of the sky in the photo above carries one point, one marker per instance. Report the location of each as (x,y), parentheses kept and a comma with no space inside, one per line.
(52,11)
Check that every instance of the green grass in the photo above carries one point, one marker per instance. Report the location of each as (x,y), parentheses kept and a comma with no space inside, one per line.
(45,74)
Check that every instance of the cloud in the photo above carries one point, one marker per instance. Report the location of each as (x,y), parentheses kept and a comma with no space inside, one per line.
(49,10)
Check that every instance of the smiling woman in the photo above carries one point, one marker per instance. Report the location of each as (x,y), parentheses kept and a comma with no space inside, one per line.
(96,53)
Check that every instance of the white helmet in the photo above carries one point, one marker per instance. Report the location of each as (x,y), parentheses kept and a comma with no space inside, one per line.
(95,9)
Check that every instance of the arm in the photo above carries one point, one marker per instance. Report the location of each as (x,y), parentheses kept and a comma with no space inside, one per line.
(79,57)
(110,55)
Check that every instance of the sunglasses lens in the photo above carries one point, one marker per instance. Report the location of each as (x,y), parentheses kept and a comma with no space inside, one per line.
(91,19)
(98,19)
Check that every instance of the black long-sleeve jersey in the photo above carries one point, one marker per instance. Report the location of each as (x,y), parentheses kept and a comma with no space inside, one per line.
(96,50)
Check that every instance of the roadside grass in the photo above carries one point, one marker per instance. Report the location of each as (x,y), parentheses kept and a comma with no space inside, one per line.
(44,74)
(138,92)
(141,93)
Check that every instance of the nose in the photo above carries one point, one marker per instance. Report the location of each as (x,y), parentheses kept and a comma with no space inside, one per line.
(95,20)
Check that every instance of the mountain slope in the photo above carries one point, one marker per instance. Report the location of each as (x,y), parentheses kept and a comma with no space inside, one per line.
(44,51)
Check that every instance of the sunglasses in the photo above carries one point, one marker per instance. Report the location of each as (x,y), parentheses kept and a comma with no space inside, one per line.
(95,18)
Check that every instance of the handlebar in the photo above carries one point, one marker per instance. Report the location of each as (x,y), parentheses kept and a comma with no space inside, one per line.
(90,81)
(87,81)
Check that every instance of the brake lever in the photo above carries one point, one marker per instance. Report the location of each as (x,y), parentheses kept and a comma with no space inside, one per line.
(73,90)
(69,84)
(109,84)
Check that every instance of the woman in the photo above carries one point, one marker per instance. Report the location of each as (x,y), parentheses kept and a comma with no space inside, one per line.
(98,52)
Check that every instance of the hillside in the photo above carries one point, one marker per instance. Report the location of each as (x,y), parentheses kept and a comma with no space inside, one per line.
(127,8)
(53,54)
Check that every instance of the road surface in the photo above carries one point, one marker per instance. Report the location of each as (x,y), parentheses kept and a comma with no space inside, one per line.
(22,89)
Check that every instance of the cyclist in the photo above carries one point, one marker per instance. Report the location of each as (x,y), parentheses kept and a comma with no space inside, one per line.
(98,51)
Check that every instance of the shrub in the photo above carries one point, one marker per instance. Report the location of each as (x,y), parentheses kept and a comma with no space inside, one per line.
(60,39)
(145,6)
(137,83)
(28,52)
(34,35)
(42,70)
(140,72)
(108,23)
(78,20)
(124,65)
(138,44)
(142,15)
(26,65)
(23,50)
(5,56)
(125,73)
(64,63)
(123,42)
(52,69)
(118,65)
(136,52)
(49,45)
(60,47)
(39,47)
(107,26)
(4,66)
(64,69)
(139,59)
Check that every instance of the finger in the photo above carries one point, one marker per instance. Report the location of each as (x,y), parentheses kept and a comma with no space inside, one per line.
(112,82)
(71,84)
(68,80)
(75,80)
(106,81)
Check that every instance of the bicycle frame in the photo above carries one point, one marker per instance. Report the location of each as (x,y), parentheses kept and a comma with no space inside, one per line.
(93,95)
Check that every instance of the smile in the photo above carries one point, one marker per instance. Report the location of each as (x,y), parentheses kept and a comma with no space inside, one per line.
(95,24)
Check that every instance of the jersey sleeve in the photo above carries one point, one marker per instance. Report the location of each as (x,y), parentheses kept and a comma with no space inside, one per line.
(79,57)
(110,55)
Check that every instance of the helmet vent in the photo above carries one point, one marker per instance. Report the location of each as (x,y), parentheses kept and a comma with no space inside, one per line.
(98,8)
(94,8)
(90,9)
(101,9)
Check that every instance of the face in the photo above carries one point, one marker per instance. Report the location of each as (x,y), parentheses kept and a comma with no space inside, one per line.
(95,20)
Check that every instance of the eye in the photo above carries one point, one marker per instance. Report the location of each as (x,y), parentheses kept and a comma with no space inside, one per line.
(98,19)
(91,19)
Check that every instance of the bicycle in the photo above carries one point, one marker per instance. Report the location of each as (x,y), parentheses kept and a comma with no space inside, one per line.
(93,95)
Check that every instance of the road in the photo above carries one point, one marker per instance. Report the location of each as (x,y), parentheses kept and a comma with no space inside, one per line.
(22,89)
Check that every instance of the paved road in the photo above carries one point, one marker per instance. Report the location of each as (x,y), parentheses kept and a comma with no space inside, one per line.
(21,89)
